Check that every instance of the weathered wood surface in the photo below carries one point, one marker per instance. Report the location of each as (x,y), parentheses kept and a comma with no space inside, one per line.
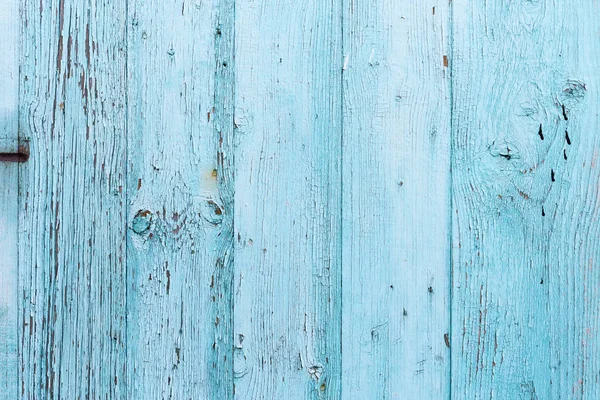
(72,328)
(261,199)
(287,184)
(396,202)
(180,200)
(9,128)
(526,229)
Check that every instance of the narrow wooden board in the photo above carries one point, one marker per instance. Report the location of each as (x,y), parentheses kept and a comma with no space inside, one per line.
(526,225)
(287,202)
(396,203)
(72,200)
(180,195)
(9,128)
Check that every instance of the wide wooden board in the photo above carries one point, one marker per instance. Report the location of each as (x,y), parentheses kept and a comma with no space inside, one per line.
(396,203)
(525,189)
(72,203)
(180,210)
(287,199)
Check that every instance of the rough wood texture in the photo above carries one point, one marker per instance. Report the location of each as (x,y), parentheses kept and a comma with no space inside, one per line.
(399,231)
(72,200)
(526,228)
(287,208)
(396,203)
(180,235)
(9,83)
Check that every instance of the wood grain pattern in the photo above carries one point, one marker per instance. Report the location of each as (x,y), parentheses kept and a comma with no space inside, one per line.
(9,132)
(180,195)
(287,204)
(396,203)
(259,199)
(525,179)
(72,201)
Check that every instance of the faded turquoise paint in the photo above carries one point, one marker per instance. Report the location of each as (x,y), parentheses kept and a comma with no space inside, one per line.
(180,240)
(287,206)
(72,287)
(277,199)
(526,230)
(396,201)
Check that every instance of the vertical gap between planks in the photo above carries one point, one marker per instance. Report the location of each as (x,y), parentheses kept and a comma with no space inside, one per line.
(126,188)
(20,298)
(450,221)
(18,255)
(341,202)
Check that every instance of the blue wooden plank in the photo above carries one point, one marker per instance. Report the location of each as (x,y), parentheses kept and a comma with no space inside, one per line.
(180,195)
(9,78)
(72,200)
(287,202)
(525,179)
(396,202)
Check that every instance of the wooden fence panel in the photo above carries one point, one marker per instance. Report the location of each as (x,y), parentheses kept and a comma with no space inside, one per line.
(396,200)
(287,199)
(180,195)
(72,207)
(525,186)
